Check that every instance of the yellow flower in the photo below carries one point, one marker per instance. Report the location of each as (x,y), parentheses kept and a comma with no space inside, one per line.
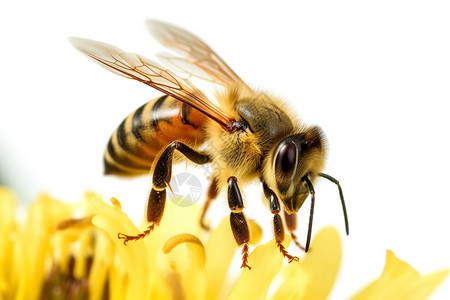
(400,281)
(71,251)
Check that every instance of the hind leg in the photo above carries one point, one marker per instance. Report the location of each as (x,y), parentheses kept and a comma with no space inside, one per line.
(161,178)
(212,194)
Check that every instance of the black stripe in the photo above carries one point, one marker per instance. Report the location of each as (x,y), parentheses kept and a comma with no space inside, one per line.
(155,109)
(123,160)
(137,123)
(114,169)
(111,168)
(111,151)
(121,135)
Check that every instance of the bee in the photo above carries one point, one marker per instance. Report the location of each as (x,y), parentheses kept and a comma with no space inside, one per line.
(246,135)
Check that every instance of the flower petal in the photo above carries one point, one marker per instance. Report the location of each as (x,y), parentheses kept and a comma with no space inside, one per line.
(134,260)
(187,279)
(7,231)
(256,232)
(194,245)
(400,281)
(322,262)
(265,261)
(294,281)
(313,278)
(220,249)
(102,267)
(142,261)
(34,244)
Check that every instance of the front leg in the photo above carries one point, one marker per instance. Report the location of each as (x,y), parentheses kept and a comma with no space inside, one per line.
(238,223)
(277,222)
(291,224)
(162,174)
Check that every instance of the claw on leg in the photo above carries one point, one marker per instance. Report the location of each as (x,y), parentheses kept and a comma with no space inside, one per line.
(204,225)
(283,251)
(294,239)
(126,238)
(291,223)
(245,257)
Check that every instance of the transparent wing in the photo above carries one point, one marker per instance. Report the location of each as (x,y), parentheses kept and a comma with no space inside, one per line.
(197,59)
(134,66)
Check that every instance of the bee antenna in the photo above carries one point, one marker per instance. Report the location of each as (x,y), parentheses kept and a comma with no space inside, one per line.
(311,212)
(341,194)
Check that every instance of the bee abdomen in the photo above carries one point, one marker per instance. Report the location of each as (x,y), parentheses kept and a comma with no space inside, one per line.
(138,139)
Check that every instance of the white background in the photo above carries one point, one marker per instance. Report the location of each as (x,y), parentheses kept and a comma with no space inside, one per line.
(374,76)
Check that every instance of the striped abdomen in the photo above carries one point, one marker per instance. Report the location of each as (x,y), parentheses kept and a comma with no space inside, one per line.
(138,139)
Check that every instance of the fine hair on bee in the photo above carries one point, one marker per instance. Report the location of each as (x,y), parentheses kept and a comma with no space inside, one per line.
(244,133)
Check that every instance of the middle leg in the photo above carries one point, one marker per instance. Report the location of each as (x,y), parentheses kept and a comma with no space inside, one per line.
(212,194)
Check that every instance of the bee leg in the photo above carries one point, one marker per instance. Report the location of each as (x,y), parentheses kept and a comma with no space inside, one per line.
(161,178)
(291,224)
(155,208)
(212,194)
(277,222)
(238,223)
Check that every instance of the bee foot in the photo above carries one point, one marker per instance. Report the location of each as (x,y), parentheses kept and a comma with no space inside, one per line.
(283,251)
(245,257)
(126,238)
(204,225)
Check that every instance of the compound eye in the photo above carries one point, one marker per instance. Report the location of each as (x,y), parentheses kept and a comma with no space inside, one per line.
(286,160)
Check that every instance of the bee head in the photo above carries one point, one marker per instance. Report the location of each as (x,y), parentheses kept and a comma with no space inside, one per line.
(297,158)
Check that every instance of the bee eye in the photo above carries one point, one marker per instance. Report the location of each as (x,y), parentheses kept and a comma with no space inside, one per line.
(286,159)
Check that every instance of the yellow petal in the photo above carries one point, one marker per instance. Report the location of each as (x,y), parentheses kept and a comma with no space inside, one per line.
(175,220)
(133,257)
(102,265)
(265,261)
(256,232)
(7,210)
(34,244)
(314,276)
(426,285)
(196,250)
(294,281)
(178,219)
(7,232)
(85,240)
(220,249)
(400,281)
(142,261)
(322,262)
(187,280)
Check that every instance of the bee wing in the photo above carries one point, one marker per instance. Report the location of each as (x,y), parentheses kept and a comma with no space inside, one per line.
(196,59)
(134,66)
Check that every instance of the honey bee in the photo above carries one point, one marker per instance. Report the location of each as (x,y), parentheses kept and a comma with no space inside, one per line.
(246,135)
